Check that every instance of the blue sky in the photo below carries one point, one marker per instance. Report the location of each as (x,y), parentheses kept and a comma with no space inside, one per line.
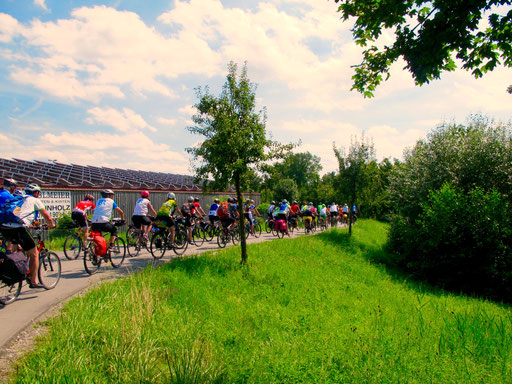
(111,83)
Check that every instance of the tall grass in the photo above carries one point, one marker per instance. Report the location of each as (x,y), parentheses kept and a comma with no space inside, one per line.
(317,309)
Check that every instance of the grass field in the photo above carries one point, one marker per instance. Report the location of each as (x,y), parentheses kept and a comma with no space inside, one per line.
(317,309)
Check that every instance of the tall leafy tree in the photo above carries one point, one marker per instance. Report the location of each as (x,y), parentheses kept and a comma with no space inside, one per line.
(234,138)
(426,35)
(303,167)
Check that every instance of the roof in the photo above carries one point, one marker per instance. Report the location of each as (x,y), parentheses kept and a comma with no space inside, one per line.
(72,176)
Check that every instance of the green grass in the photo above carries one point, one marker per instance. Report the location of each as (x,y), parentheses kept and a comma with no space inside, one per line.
(317,309)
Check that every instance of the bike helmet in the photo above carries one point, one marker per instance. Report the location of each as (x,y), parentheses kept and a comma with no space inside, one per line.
(144,194)
(272,202)
(252,201)
(89,197)
(230,200)
(216,201)
(295,202)
(190,199)
(171,195)
(31,188)
(310,203)
(10,183)
(285,201)
(107,192)
(196,199)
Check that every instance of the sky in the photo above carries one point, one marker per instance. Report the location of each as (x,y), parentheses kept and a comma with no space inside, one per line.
(113,83)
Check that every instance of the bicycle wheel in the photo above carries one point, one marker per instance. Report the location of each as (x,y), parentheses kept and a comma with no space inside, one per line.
(280,234)
(235,236)
(268,228)
(72,246)
(9,292)
(158,245)
(180,241)
(198,236)
(132,243)
(209,232)
(117,252)
(222,239)
(257,230)
(49,269)
(91,262)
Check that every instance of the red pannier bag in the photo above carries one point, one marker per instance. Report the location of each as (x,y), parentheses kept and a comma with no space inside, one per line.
(100,244)
(281,225)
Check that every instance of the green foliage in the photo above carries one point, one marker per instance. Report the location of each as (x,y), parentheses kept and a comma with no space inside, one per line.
(234,138)
(286,189)
(427,34)
(451,196)
(309,310)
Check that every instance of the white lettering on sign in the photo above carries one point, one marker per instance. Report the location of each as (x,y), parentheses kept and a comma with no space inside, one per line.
(56,202)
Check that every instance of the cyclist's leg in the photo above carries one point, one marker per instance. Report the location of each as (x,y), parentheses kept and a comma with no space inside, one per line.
(27,242)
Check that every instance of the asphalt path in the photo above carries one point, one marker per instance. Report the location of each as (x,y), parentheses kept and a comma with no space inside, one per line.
(32,304)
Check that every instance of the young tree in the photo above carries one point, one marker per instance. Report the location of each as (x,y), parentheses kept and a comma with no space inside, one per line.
(427,33)
(353,169)
(234,138)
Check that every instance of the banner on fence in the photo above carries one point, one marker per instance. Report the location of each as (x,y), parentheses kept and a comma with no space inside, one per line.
(56,202)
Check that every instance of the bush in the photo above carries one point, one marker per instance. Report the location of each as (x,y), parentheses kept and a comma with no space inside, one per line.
(452,225)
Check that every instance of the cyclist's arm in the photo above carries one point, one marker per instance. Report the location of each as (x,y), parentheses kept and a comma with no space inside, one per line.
(47,218)
(120,211)
(151,209)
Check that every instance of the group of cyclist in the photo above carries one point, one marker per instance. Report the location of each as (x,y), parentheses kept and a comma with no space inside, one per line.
(310,214)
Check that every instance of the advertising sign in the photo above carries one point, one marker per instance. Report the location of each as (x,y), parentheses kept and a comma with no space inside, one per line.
(56,202)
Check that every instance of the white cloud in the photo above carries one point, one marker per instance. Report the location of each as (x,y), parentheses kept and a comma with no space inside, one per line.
(390,142)
(9,27)
(167,121)
(41,3)
(124,121)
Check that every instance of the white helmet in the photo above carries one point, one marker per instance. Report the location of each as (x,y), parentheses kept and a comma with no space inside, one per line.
(31,188)
(171,195)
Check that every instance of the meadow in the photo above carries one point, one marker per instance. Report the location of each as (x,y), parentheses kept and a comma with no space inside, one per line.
(316,309)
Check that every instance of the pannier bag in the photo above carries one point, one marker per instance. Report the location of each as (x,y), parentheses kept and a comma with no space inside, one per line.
(100,246)
(13,267)
(281,225)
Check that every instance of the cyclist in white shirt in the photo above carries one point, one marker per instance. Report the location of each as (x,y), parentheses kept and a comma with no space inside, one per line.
(140,216)
(103,212)
(18,232)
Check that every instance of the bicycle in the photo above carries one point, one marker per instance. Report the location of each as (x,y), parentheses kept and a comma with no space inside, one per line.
(135,241)
(228,235)
(114,253)
(161,240)
(49,271)
(73,245)
(256,226)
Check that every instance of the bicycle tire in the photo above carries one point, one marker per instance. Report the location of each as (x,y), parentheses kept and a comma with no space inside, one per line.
(117,252)
(50,269)
(198,236)
(257,230)
(235,236)
(132,242)
(222,239)
(92,263)
(158,245)
(180,241)
(72,246)
(9,292)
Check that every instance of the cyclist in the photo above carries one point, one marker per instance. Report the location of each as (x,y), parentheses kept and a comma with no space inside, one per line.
(103,212)
(282,213)
(294,214)
(18,232)
(307,211)
(5,194)
(166,212)
(250,210)
(198,210)
(345,212)
(334,212)
(322,212)
(212,214)
(188,212)
(79,215)
(140,217)
(270,210)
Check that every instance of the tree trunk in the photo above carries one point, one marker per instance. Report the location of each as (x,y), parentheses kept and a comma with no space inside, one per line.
(240,206)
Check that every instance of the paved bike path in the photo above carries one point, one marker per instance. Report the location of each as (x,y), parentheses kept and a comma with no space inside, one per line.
(33,303)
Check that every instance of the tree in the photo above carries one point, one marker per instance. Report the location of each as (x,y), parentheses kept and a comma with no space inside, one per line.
(286,189)
(301,167)
(234,138)
(353,168)
(427,34)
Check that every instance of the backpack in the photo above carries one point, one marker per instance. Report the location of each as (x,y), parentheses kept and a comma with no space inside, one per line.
(222,212)
(10,209)
(13,267)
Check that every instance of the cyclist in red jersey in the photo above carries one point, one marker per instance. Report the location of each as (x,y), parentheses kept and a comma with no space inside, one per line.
(79,215)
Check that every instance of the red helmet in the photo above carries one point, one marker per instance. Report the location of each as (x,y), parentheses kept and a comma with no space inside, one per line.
(89,197)
(144,194)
